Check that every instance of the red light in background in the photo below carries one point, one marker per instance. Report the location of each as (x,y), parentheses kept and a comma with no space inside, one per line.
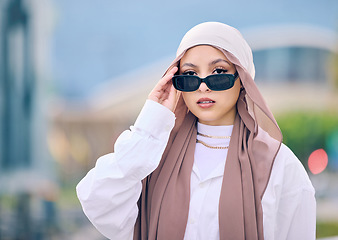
(318,161)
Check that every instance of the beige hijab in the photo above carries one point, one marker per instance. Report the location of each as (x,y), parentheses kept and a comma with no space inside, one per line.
(255,141)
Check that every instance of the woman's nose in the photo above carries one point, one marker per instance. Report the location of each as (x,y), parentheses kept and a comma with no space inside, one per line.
(203,87)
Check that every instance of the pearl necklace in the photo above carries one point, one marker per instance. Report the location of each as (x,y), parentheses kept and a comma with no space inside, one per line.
(209,146)
(209,136)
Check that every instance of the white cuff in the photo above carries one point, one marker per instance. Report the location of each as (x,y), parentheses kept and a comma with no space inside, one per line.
(155,119)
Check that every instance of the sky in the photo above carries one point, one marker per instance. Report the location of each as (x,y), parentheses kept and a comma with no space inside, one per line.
(95,41)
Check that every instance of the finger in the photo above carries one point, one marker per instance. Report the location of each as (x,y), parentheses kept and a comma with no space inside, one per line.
(173,70)
(168,76)
(166,80)
(172,93)
(165,83)
(161,92)
(172,98)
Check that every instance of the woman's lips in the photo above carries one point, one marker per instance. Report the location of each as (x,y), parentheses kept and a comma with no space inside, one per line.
(205,102)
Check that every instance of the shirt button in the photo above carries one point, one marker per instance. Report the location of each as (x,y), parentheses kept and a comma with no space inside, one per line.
(202,185)
(192,221)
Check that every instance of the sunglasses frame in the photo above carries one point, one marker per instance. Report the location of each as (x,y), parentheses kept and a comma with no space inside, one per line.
(232,79)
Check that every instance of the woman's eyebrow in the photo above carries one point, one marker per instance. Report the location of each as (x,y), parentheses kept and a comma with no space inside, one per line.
(219,60)
(189,65)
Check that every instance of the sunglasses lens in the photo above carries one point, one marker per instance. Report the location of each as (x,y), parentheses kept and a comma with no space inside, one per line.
(219,82)
(186,83)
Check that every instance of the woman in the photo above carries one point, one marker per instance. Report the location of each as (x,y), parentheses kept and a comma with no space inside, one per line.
(208,152)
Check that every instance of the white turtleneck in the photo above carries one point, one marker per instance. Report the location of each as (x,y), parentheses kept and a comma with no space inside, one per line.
(208,159)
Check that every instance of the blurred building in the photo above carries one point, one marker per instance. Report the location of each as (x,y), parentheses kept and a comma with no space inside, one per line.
(27,177)
(82,132)
(295,66)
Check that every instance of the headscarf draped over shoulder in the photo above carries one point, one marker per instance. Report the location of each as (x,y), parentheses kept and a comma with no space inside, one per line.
(255,141)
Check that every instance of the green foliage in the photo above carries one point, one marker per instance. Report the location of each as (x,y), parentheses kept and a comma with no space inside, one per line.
(327,229)
(304,132)
(334,69)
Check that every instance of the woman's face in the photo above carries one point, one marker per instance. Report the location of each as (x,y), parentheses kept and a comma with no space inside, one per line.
(210,107)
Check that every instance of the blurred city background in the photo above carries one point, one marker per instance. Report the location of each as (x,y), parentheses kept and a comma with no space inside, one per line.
(75,74)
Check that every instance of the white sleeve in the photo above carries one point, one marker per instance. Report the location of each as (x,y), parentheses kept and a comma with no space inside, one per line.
(303,222)
(289,205)
(110,191)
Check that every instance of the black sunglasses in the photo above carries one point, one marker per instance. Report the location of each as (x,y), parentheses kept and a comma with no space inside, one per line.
(215,82)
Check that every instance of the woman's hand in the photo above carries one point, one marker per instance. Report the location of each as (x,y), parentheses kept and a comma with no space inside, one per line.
(164,91)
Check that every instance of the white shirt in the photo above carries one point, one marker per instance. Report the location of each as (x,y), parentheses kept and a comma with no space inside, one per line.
(110,191)
(206,183)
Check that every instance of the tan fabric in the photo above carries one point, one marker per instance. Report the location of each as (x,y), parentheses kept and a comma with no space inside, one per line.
(255,141)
